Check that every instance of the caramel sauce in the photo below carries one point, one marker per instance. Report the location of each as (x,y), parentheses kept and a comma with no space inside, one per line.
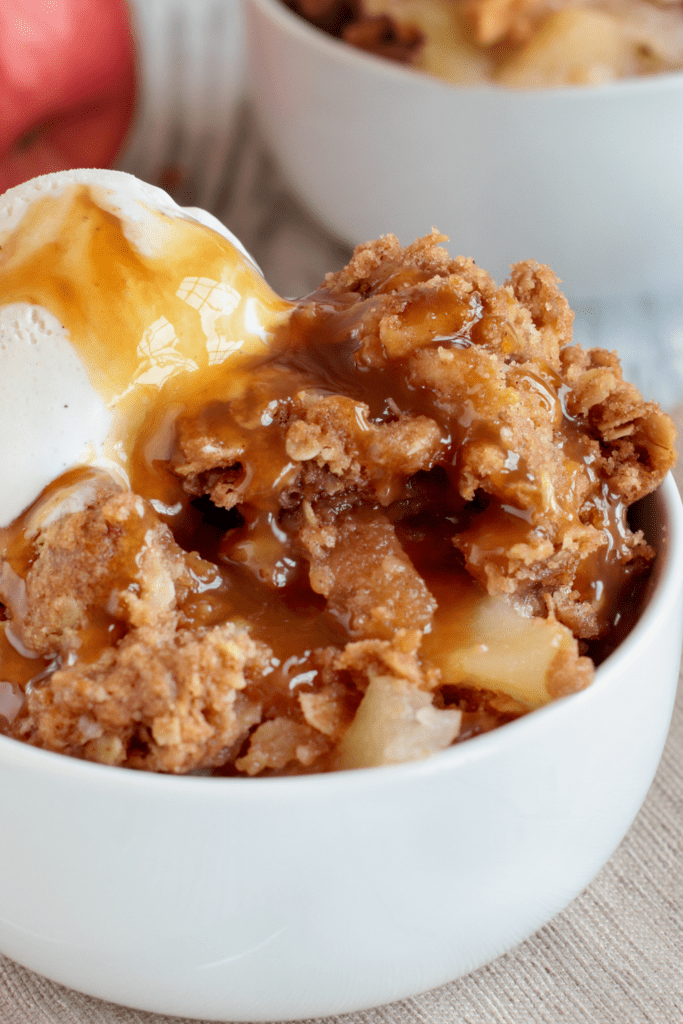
(169,346)
(289,617)
(152,330)
(17,667)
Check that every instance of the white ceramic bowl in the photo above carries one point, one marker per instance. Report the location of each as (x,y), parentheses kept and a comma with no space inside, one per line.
(269,899)
(586,179)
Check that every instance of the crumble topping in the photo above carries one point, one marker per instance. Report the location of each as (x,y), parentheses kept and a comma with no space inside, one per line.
(406,526)
(518,43)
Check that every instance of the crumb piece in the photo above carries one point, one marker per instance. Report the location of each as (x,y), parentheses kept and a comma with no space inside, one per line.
(513,21)
(366,577)
(172,706)
(569,673)
(280,741)
(382,34)
(330,710)
(397,658)
(636,437)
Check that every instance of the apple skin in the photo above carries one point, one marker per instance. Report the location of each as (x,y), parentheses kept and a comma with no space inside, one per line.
(67,85)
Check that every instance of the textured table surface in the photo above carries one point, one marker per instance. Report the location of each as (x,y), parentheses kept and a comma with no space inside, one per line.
(615,956)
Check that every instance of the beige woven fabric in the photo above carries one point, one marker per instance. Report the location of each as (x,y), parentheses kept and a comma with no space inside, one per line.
(615,956)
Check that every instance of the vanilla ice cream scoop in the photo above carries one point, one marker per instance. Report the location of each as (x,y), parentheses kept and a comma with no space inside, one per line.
(115,303)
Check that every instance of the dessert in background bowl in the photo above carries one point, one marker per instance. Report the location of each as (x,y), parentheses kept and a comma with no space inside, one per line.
(522,43)
(329,425)
(583,178)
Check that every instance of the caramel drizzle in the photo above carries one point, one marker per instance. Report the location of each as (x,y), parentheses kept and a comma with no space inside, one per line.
(109,297)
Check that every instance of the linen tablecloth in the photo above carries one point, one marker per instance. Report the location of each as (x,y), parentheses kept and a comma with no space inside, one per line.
(615,955)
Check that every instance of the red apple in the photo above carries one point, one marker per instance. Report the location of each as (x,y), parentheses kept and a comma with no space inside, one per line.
(67,85)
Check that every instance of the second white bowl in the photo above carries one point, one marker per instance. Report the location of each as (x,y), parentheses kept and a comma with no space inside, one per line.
(586,179)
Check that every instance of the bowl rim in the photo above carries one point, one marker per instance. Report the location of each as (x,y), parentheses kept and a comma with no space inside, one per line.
(295,25)
(667,588)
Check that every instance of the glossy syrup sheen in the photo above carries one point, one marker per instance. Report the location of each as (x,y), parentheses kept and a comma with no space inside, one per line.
(151,328)
(193,334)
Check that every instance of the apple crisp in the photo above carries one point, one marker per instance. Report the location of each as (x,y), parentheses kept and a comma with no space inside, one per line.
(518,43)
(405,525)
